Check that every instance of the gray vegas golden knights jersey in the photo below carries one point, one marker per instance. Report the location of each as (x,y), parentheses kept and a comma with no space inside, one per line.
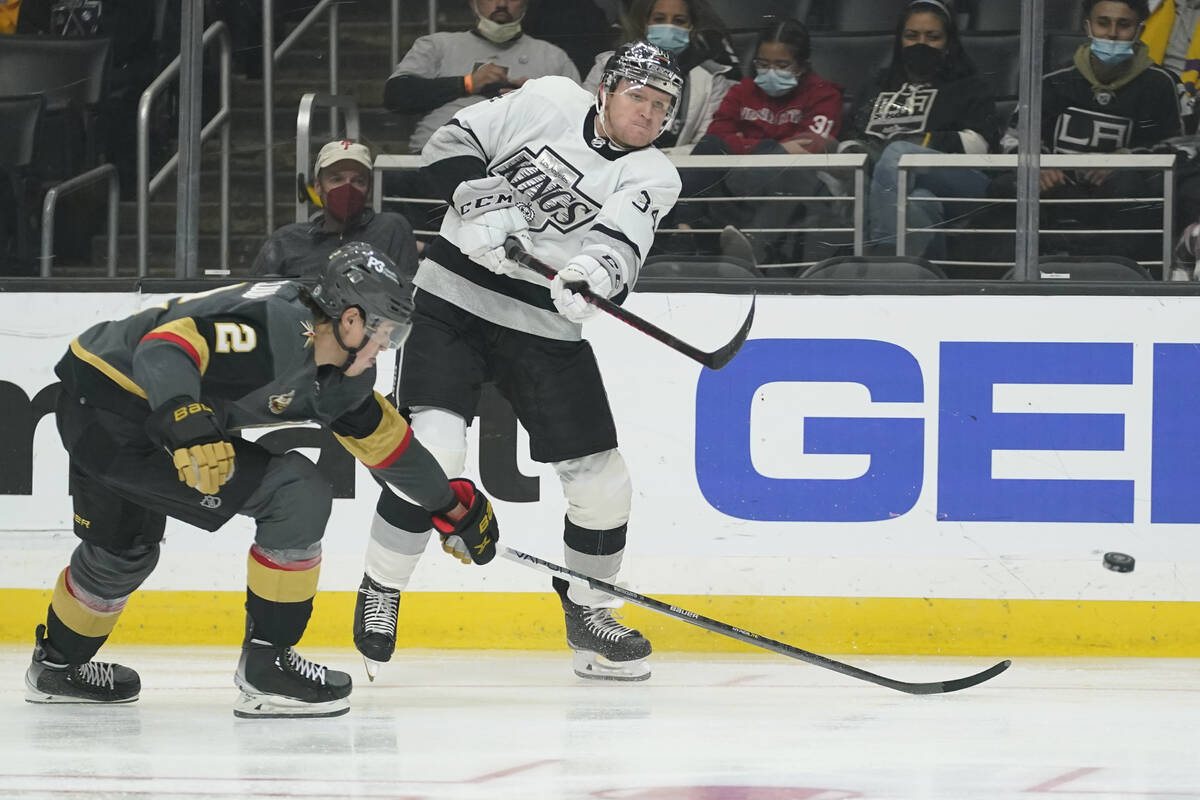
(578,191)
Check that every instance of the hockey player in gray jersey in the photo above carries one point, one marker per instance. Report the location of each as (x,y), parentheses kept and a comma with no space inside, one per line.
(571,175)
(146,411)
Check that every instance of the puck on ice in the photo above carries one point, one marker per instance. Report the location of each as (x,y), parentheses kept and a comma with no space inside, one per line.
(1118,562)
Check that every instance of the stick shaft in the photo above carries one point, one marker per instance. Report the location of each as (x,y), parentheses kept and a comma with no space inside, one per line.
(742,635)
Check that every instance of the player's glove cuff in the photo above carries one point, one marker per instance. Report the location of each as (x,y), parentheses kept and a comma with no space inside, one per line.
(476,531)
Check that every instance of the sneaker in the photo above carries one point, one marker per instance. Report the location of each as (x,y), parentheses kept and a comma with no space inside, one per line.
(604,648)
(279,682)
(735,244)
(50,679)
(375,623)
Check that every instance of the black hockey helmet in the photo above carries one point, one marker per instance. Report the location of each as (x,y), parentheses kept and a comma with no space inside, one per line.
(648,65)
(358,275)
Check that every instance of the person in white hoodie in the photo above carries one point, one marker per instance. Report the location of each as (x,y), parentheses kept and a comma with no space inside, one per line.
(695,35)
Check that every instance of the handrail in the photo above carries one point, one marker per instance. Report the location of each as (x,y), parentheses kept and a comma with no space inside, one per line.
(1113,161)
(308,102)
(851,161)
(49,205)
(147,185)
(271,54)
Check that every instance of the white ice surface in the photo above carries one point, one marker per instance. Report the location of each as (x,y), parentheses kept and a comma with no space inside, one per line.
(499,725)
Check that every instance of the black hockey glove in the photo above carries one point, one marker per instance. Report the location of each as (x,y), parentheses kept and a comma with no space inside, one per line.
(474,536)
(199,447)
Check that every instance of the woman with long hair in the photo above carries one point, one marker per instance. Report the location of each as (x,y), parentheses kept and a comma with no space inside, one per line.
(930,99)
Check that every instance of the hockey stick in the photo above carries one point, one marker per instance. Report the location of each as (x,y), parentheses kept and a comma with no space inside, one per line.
(936,687)
(714,360)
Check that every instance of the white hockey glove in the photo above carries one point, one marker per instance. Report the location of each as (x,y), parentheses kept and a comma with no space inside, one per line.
(488,207)
(586,269)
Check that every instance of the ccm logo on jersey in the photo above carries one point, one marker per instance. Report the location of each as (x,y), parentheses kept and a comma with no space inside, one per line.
(498,200)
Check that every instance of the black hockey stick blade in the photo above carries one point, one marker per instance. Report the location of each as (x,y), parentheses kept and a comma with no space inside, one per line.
(724,629)
(714,360)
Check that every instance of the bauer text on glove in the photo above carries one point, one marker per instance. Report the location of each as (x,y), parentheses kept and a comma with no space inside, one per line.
(199,448)
(473,537)
(489,211)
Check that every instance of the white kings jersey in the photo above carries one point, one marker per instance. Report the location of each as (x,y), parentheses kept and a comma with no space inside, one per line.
(577,192)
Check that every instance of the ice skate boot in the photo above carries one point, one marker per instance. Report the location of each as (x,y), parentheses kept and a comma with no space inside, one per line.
(279,682)
(50,679)
(375,623)
(604,648)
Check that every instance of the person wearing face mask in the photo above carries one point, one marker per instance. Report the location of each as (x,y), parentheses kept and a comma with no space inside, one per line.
(341,187)
(1112,98)
(695,35)
(445,72)
(930,99)
(782,107)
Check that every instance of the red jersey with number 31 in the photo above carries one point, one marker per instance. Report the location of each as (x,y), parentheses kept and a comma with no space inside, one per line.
(748,115)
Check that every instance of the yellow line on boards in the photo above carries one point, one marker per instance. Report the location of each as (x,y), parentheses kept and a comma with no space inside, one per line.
(827,625)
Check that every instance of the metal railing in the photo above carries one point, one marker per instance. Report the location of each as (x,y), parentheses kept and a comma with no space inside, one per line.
(271,54)
(147,186)
(49,206)
(308,103)
(1163,163)
(856,162)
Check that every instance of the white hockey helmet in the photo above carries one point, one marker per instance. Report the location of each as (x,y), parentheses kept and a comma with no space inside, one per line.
(647,65)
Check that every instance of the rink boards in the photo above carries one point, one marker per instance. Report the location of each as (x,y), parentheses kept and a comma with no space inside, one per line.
(902,474)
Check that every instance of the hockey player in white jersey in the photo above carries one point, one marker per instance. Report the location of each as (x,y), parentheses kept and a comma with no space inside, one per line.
(573,176)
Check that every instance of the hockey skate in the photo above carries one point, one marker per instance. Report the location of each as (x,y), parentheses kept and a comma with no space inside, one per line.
(50,679)
(604,648)
(279,682)
(375,615)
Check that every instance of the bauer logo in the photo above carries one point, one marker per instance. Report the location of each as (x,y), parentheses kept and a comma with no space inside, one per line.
(935,432)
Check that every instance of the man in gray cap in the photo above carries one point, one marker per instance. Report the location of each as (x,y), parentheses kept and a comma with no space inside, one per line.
(341,187)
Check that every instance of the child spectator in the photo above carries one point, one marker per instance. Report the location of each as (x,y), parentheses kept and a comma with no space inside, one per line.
(783,108)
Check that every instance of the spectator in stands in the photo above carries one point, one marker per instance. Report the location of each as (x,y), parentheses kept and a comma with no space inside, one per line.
(342,185)
(445,72)
(929,100)
(581,28)
(1112,99)
(696,36)
(784,108)
(9,9)
(1172,33)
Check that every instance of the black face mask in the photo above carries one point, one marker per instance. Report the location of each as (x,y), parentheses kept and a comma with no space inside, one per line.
(921,61)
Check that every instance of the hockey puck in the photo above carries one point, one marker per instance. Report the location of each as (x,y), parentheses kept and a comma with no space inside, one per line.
(1118,562)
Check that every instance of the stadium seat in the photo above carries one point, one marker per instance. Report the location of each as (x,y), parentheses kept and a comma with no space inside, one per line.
(1060,49)
(1089,268)
(997,55)
(858,16)
(755,14)
(878,268)
(19,118)
(850,59)
(72,74)
(671,266)
(1005,15)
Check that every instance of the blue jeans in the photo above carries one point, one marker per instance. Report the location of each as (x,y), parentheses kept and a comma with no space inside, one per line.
(924,183)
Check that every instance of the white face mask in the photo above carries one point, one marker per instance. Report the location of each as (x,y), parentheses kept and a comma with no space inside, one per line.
(499,32)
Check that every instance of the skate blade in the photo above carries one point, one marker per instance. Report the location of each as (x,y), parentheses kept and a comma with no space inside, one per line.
(596,667)
(35,695)
(270,706)
(372,668)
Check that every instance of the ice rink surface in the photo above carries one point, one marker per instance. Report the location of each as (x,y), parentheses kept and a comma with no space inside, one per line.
(498,725)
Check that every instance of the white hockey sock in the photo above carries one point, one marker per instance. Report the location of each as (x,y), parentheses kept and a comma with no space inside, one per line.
(392,553)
